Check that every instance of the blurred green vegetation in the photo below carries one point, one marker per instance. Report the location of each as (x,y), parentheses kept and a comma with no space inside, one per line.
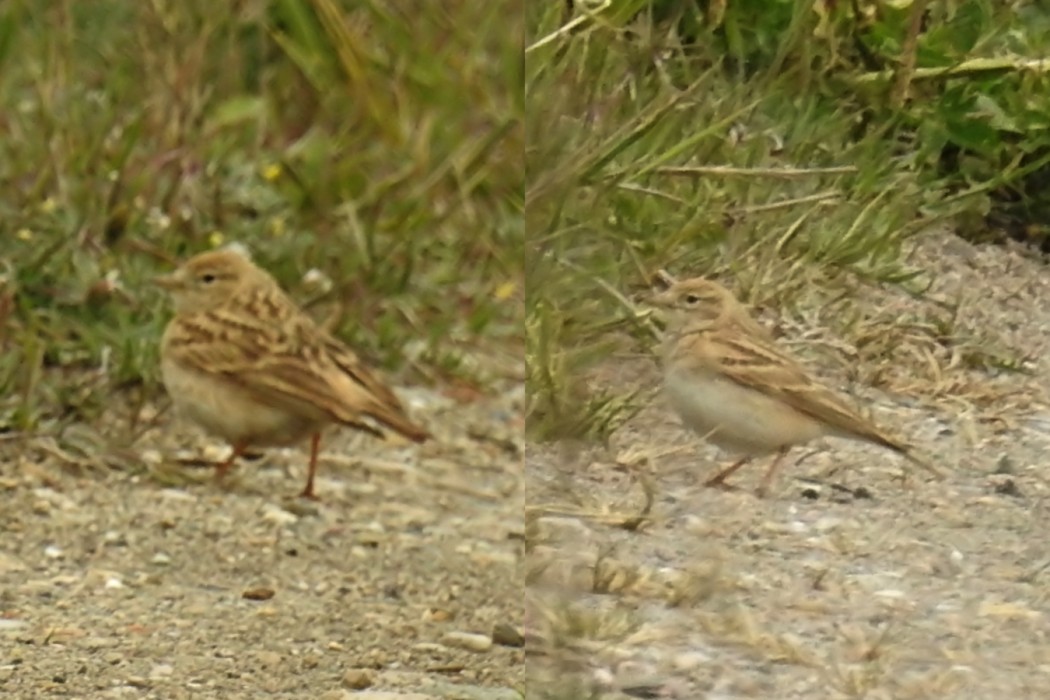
(784,146)
(378,143)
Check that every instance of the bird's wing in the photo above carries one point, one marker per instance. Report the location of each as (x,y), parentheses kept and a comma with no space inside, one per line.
(384,406)
(759,365)
(286,360)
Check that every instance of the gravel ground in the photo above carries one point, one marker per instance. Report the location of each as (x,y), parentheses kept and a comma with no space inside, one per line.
(852,585)
(116,583)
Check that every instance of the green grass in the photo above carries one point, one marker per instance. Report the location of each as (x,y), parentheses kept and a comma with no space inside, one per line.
(376,143)
(795,151)
(767,154)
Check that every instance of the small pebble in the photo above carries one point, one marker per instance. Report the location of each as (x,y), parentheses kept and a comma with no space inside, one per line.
(467,640)
(151,456)
(268,658)
(259,593)
(828,523)
(358,678)
(215,453)
(437,615)
(278,516)
(891,593)
(429,648)
(301,508)
(177,495)
(690,661)
(507,635)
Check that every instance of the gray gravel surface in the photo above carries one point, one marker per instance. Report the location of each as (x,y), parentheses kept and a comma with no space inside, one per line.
(844,583)
(114,583)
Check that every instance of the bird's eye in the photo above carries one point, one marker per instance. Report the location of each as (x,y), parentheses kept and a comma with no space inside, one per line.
(692,299)
(207,278)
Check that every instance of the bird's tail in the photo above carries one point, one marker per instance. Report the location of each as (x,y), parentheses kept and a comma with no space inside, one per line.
(909,455)
(399,423)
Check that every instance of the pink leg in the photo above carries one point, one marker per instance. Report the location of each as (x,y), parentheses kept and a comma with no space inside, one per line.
(315,443)
(222,468)
(767,480)
(718,480)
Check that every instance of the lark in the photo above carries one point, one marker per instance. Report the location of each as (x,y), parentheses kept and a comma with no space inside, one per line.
(243,362)
(727,380)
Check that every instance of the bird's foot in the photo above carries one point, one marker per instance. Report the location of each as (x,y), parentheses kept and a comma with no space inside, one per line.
(720,483)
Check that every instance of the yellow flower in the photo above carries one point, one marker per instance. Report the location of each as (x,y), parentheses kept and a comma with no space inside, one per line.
(24,234)
(278,226)
(505,291)
(215,238)
(271,172)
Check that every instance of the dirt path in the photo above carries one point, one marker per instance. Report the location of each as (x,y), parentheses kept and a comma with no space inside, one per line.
(936,589)
(116,585)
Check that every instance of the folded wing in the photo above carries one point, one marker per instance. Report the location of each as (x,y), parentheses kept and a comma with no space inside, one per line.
(291,364)
(764,368)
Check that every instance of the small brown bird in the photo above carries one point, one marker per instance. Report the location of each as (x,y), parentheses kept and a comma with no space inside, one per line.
(728,381)
(241,360)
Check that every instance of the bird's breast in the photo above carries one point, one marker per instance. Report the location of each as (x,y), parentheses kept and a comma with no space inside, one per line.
(227,410)
(735,417)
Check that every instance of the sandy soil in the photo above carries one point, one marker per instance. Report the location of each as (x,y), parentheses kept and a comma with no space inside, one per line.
(855,586)
(160,583)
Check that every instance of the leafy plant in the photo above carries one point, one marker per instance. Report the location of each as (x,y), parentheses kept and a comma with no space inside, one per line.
(365,153)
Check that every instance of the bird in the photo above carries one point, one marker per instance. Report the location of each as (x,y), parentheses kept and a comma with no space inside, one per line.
(729,382)
(241,360)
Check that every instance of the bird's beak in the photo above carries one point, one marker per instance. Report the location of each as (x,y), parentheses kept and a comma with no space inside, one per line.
(664,279)
(661,299)
(169,282)
(661,281)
